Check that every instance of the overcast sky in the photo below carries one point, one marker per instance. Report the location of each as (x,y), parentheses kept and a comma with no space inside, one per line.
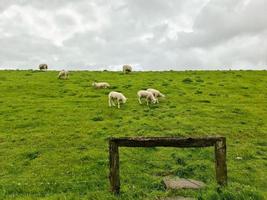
(149,34)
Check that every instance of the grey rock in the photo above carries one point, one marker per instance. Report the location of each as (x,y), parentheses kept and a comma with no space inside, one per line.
(178,198)
(181,183)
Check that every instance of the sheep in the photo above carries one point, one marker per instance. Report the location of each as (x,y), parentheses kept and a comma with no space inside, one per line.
(119,97)
(63,74)
(146,94)
(156,93)
(43,67)
(127,69)
(100,85)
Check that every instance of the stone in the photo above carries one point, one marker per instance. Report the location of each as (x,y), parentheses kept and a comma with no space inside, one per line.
(181,183)
(178,198)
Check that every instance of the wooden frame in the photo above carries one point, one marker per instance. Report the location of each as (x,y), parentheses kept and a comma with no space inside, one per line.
(219,144)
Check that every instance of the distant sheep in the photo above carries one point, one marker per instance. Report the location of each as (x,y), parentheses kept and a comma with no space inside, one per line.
(156,93)
(116,96)
(43,67)
(100,85)
(147,95)
(63,74)
(127,69)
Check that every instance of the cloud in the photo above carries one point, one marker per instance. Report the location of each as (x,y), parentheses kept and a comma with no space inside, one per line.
(151,34)
(221,21)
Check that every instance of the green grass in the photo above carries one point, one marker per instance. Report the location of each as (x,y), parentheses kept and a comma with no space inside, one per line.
(54,133)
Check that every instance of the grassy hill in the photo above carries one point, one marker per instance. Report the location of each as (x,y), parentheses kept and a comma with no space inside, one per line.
(54,133)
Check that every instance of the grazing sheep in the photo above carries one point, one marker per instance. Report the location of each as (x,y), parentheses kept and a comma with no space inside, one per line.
(119,97)
(127,69)
(156,93)
(63,74)
(100,85)
(147,95)
(43,67)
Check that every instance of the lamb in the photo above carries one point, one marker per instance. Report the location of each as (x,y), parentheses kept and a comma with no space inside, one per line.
(119,97)
(63,74)
(127,69)
(100,85)
(43,67)
(156,93)
(147,95)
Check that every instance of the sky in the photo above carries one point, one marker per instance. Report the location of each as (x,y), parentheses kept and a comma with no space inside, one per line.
(147,34)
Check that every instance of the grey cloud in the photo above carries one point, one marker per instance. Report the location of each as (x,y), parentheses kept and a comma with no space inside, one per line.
(220,21)
(25,52)
(151,34)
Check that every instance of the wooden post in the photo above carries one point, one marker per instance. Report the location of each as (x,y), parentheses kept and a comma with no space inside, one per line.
(114,176)
(218,142)
(220,161)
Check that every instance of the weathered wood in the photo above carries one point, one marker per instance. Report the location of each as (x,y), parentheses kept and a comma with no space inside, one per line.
(220,162)
(114,176)
(218,142)
(166,142)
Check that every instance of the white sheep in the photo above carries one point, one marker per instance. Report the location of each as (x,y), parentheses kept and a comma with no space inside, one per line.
(126,69)
(43,67)
(156,93)
(119,97)
(100,85)
(147,95)
(63,74)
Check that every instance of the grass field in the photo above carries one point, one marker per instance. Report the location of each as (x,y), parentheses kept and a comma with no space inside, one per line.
(54,133)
